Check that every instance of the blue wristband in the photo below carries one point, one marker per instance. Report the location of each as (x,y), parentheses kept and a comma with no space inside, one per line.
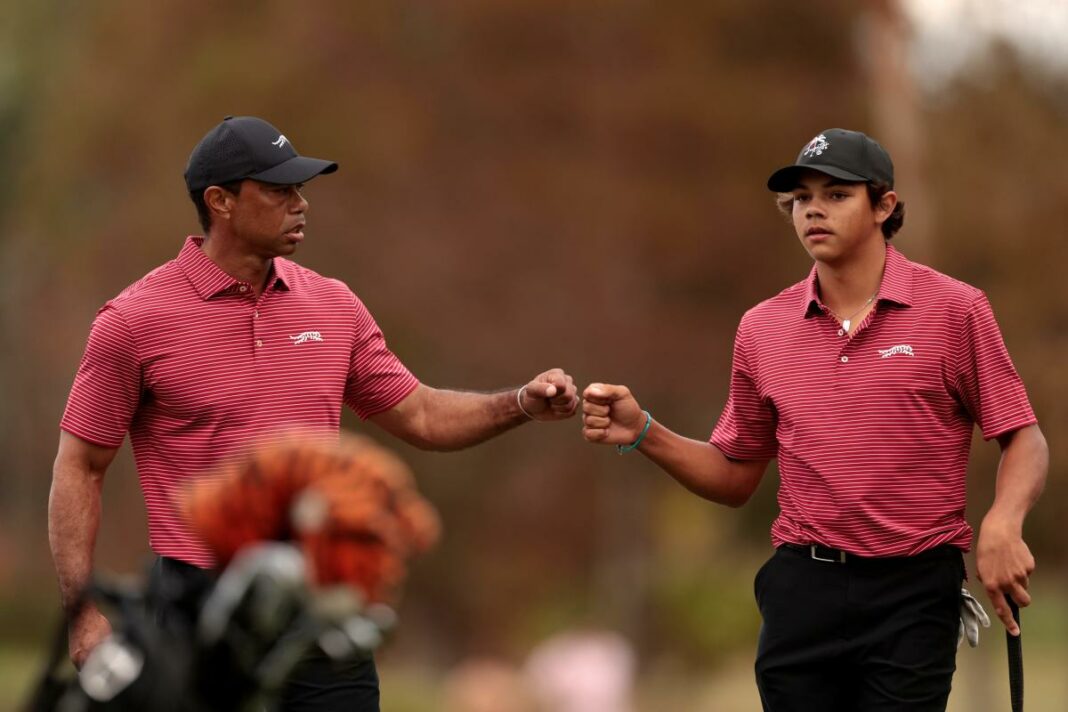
(627,448)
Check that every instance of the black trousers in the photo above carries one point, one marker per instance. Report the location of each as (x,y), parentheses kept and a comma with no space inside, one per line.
(318,684)
(867,635)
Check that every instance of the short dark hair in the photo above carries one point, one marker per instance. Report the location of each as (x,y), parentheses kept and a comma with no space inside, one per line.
(876,191)
(203,212)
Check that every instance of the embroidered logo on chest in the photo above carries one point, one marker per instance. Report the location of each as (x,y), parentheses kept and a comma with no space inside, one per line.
(306,336)
(900,349)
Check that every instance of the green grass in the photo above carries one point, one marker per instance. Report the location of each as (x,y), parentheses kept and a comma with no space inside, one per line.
(980,685)
(19,668)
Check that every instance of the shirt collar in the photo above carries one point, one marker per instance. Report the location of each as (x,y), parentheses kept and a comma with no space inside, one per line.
(896,286)
(897,279)
(209,280)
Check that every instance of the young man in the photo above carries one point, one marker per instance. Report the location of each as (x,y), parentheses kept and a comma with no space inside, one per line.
(865,380)
(225,346)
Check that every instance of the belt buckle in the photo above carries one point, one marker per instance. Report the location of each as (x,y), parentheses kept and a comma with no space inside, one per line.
(840,560)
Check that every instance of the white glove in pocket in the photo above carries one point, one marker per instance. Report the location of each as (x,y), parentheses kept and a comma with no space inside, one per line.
(972,616)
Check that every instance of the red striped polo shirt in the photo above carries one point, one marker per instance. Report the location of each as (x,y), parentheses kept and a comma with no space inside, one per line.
(871,429)
(196,369)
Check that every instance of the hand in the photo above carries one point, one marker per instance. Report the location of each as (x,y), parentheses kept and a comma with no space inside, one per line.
(550,396)
(611,415)
(87,631)
(1005,565)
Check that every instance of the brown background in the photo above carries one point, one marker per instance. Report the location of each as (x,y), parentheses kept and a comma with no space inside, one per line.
(523,185)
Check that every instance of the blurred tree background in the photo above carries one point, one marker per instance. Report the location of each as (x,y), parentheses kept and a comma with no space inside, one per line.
(525,184)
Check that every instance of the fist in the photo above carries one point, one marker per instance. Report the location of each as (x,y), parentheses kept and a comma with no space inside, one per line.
(86,631)
(611,415)
(550,396)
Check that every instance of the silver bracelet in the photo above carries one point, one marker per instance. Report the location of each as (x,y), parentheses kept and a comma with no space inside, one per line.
(519,402)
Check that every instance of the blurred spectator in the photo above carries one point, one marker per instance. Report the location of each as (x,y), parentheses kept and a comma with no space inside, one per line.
(582,672)
(486,685)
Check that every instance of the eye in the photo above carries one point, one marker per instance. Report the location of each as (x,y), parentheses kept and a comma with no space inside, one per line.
(839,195)
(801,197)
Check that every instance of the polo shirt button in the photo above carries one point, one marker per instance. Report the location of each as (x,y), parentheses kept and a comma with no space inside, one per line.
(242,288)
(259,342)
(845,359)
(256,314)
(840,332)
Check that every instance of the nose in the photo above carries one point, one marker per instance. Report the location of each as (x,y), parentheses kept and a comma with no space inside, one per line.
(300,203)
(814,209)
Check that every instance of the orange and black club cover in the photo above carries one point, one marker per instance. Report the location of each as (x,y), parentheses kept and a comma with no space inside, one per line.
(352,507)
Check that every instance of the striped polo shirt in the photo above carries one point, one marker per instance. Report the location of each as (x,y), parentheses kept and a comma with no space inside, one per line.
(197,369)
(871,429)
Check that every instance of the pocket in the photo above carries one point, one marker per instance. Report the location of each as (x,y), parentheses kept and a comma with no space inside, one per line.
(760,580)
(956,572)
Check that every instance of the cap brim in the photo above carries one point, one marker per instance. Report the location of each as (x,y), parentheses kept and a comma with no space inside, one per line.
(299,169)
(785,179)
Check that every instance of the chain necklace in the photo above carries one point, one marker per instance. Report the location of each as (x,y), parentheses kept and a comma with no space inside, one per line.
(847,322)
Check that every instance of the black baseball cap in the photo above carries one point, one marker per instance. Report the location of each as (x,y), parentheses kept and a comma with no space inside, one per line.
(848,155)
(248,147)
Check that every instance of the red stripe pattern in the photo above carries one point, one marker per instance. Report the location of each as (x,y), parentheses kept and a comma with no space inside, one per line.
(197,369)
(872,429)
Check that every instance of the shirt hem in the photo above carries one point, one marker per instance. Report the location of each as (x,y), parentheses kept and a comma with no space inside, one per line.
(99,442)
(390,404)
(1005,429)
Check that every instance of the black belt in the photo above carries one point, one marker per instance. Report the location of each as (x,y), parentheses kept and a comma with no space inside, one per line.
(819,552)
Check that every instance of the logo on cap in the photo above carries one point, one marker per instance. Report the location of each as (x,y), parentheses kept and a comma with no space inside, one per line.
(816,146)
(280,141)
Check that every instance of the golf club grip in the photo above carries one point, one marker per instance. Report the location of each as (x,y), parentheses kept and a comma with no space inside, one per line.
(1015,650)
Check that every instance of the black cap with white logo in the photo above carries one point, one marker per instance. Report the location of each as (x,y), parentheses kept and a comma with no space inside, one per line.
(847,155)
(247,147)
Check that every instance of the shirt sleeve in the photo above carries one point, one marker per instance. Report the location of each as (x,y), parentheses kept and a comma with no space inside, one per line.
(377,379)
(107,387)
(746,429)
(985,379)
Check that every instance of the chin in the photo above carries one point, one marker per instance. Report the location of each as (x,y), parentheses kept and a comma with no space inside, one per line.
(823,253)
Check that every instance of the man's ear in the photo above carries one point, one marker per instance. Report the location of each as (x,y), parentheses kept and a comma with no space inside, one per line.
(885,207)
(219,201)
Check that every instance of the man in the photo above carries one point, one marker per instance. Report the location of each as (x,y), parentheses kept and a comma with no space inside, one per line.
(226,346)
(865,381)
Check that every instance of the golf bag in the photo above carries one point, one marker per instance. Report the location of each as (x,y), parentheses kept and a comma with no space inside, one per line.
(312,540)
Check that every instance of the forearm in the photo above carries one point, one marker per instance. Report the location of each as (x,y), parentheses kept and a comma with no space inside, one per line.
(701,467)
(1003,560)
(1021,477)
(453,420)
(74,506)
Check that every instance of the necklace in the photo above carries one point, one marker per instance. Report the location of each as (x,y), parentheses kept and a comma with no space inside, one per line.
(847,322)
